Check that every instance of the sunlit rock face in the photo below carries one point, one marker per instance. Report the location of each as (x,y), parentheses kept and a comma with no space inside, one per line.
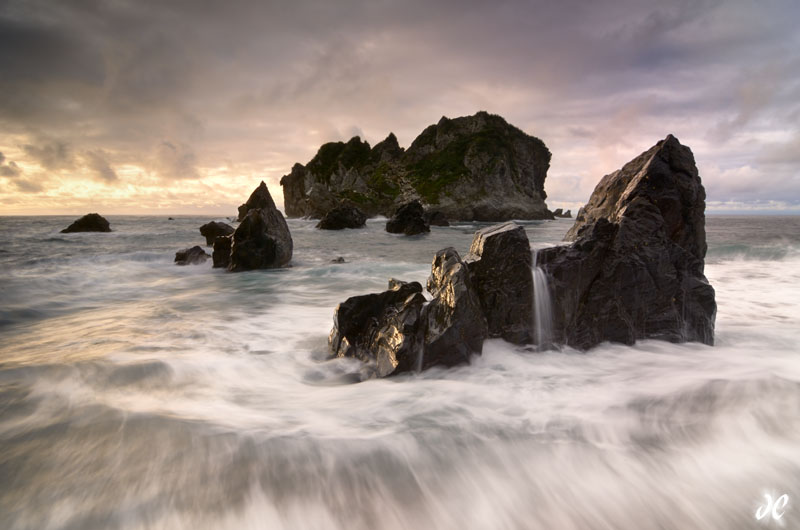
(635,267)
(470,168)
(381,329)
(500,263)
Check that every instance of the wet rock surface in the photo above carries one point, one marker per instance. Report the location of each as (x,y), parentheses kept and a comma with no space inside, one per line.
(222,252)
(91,222)
(191,256)
(455,327)
(261,241)
(500,263)
(211,231)
(343,217)
(381,329)
(635,268)
(408,219)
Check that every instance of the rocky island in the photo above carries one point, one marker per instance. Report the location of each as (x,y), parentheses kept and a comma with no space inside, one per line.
(473,168)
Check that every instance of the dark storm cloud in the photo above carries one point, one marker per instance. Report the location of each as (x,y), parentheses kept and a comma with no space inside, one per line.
(263,84)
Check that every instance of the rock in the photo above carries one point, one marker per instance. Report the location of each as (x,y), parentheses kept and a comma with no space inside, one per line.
(454,325)
(408,219)
(260,198)
(381,329)
(261,241)
(343,217)
(558,212)
(191,256)
(90,222)
(470,168)
(170,218)
(215,229)
(499,262)
(222,252)
(338,259)
(436,218)
(567,214)
(635,267)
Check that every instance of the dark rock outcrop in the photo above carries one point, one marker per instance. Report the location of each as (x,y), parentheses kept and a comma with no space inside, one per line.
(471,168)
(455,327)
(499,263)
(191,256)
(260,198)
(222,252)
(381,329)
(436,218)
(561,214)
(394,331)
(261,241)
(90,222)
(215,229)
(408,219)
(343,217)
(635,268)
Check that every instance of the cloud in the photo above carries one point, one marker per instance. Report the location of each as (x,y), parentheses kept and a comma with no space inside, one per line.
(11,170)
(97,162)
(244,89)
(175,161)
(52,155)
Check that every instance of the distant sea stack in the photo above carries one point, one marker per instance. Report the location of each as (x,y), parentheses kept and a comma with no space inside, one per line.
(474,168)
(91,222)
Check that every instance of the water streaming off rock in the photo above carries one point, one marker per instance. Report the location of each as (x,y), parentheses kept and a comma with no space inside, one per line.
(135,394)
(543,306)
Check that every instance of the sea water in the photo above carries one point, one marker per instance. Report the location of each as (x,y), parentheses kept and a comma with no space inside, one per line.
(137,394)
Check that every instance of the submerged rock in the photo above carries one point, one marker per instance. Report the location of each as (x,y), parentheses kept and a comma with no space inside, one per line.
(211,231)
(499,263)
(455,327)
(635,268)
(381,329)
(191,256)
(91,222)
(260,198)
(343,217)
(408,219)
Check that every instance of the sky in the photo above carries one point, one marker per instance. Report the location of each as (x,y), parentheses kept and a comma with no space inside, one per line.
(184,106)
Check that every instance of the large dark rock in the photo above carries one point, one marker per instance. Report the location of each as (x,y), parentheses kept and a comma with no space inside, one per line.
(475,167)
(260,198)
(559,213)
(436,218)
(261,241)
(408,219)
(455,327)
(215,229)
(90,222)
(635,268)
(499,263)
(191,256)
(222,252)
(343,217)
(381,329)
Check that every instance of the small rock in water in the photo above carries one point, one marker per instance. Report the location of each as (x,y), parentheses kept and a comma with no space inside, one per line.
(339,259)
(191,256)
(91,222)
(343,217)
(408,219)
(213,230)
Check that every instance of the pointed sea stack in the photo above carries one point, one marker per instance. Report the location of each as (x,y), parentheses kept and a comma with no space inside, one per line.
(635,267)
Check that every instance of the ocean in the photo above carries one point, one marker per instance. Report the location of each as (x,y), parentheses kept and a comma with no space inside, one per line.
(137,394)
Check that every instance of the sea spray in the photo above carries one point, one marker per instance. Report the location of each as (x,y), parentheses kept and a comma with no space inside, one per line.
(542,306)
